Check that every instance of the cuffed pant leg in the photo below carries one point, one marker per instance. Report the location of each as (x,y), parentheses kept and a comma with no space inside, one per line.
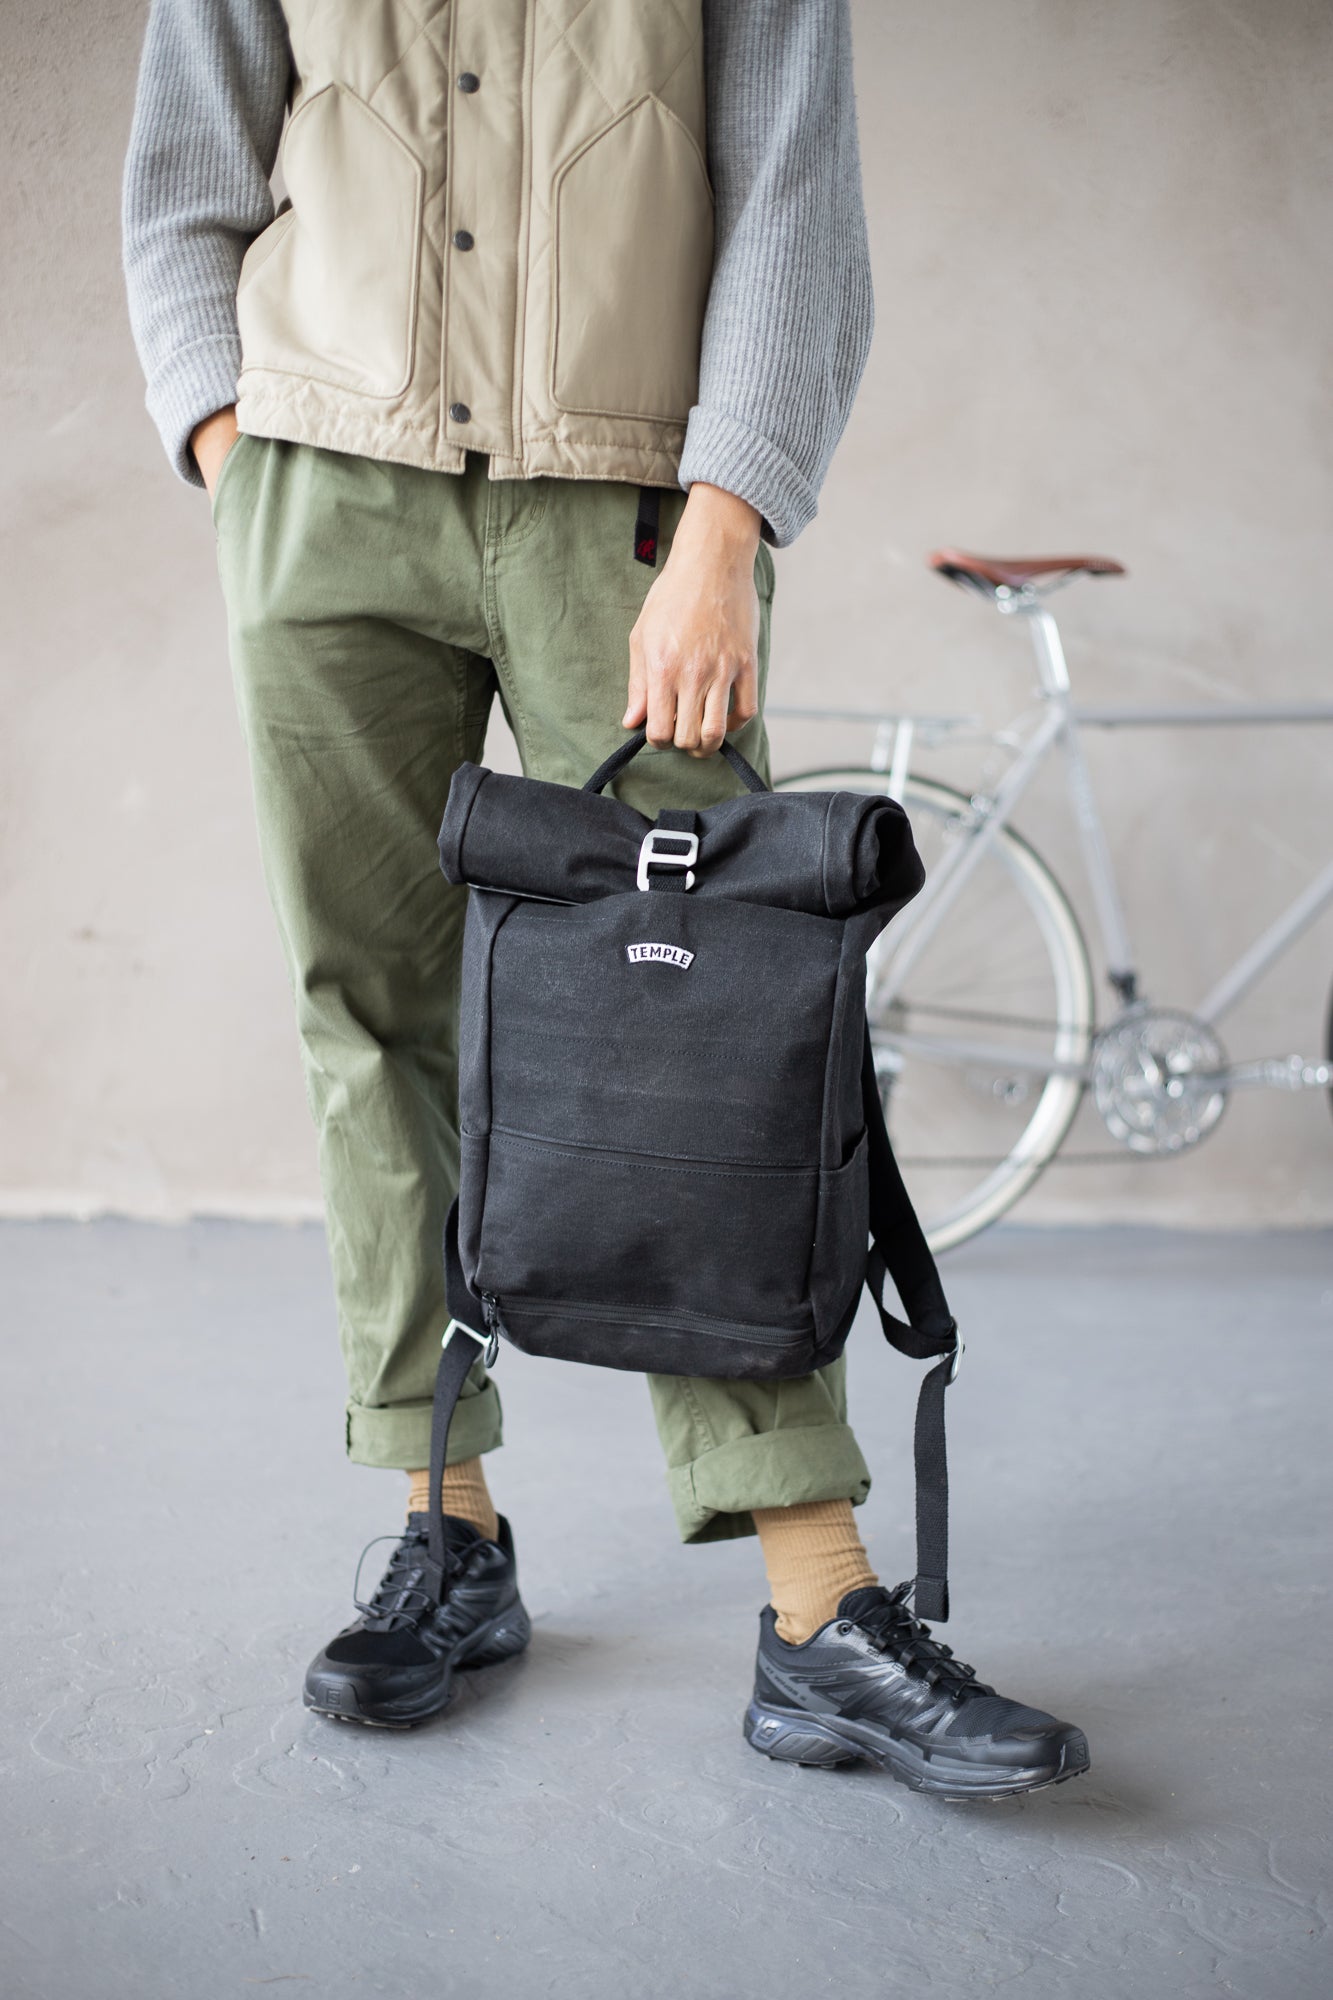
(358,699)
(734,1446)
(398,1434)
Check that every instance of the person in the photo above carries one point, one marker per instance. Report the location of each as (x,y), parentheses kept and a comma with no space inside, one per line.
(546,347)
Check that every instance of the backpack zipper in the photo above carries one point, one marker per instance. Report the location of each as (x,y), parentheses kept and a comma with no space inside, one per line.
(495,1326)
(672,1322)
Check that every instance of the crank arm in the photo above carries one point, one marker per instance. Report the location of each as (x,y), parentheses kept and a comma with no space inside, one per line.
(1269,1073)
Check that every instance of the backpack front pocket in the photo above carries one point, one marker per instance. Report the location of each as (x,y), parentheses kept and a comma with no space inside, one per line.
(646,1234)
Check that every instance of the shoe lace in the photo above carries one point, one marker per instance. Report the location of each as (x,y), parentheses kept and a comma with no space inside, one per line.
(892,1628)
(403,1597)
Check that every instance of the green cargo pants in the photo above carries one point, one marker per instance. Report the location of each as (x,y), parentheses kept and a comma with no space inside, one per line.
(374,612)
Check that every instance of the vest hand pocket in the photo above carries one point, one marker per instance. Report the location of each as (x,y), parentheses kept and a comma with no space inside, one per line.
(633,261)
(329,290)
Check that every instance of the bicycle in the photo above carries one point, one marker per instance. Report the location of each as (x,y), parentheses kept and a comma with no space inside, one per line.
(980,996)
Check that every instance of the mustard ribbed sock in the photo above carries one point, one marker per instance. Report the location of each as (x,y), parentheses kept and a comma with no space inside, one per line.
(463,1493)
(813,1556)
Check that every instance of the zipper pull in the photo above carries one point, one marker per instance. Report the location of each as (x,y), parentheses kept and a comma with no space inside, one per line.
(495,1326)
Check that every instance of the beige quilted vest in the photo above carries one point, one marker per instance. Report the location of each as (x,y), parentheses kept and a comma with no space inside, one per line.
(500,237)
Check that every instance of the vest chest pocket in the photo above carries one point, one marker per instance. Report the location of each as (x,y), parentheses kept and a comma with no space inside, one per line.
(329,290)
(633,260)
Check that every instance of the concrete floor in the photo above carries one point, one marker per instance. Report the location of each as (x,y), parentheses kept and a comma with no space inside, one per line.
(1142,1503)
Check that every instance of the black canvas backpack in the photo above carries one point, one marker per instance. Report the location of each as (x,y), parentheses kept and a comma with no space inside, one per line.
(673,1149)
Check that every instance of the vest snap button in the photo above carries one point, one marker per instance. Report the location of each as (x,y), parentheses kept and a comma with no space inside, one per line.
(463,239)
(460,413)
(468,82)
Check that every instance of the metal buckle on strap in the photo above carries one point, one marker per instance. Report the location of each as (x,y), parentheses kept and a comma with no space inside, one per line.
(684,856)
(489,1343)
(960,1349)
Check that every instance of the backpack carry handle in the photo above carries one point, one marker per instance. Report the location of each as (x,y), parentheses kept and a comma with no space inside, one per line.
(631,747)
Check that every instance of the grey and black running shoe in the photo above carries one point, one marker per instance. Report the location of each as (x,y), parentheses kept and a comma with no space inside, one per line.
(395,1665)
(874,1685)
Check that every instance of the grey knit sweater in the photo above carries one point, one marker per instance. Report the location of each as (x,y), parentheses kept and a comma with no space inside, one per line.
(789,311)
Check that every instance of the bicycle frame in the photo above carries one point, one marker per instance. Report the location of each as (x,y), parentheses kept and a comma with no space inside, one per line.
(1059,730)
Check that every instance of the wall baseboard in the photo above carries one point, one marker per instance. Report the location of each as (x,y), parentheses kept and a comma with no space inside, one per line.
(300,1211)
(78,1205)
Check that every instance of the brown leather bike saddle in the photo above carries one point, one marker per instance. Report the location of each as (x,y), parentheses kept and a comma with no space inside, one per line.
(991,573)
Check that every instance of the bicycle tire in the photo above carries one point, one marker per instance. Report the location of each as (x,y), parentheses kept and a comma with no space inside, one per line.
(1057,1104)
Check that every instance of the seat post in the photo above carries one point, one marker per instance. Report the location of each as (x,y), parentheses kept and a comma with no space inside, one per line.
(1053,673)
(1052,669)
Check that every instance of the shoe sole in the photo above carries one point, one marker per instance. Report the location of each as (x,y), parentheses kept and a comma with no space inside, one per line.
(791,1736)
(500,1638)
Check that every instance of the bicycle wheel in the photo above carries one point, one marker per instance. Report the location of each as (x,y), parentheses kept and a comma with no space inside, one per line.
(1002,987)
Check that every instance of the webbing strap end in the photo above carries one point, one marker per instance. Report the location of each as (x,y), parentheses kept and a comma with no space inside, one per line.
(930,1599)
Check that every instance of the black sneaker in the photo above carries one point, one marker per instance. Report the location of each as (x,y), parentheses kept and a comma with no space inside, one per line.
(873,1685)
(395,1666)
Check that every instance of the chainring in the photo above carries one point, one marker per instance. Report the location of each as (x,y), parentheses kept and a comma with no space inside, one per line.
(1154,1079)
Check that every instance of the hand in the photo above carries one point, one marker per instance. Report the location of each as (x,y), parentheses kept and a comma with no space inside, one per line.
(210,442)
(694,652)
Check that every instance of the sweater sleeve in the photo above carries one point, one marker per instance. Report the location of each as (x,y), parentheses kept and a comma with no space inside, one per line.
(790,310)
(213,89)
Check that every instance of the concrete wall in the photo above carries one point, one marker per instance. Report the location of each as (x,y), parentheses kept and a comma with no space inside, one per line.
(1101,243)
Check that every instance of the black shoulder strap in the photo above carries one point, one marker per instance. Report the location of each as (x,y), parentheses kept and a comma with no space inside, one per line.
(464,1340)
(930,1332)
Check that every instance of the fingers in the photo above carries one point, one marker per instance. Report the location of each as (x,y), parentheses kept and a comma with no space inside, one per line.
(636,710)
(745,695)
(708,705)
(662,704)
(688,688)
(691,693)
(714,721)
(691,706)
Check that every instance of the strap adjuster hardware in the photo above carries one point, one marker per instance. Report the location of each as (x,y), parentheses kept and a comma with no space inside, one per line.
(489,1343)
(960,1349)
(651,852)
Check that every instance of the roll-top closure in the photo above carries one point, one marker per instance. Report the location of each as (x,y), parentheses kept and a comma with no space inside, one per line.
(825,854)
